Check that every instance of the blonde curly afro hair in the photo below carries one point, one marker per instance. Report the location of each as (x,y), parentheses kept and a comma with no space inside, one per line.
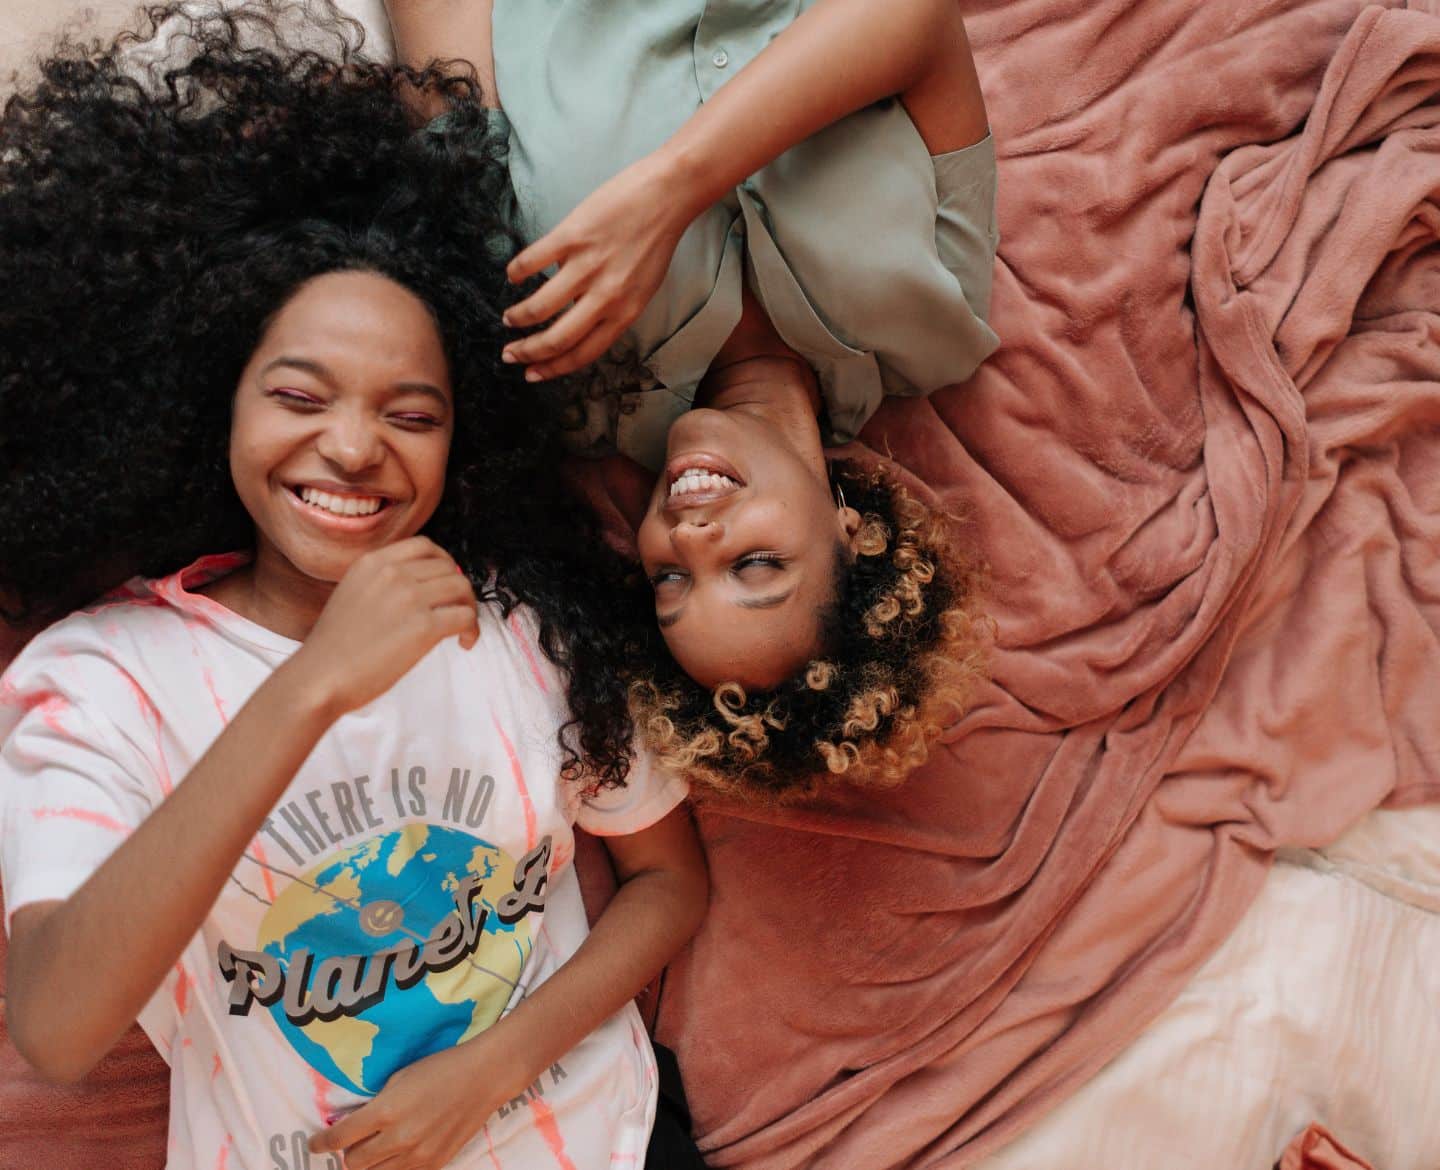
(904,643)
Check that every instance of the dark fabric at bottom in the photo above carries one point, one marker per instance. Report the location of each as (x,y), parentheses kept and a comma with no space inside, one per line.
(671,1146)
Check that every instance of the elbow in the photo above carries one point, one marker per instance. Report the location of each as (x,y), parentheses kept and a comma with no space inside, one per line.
(52,1062)
(55,1057)
(696,900)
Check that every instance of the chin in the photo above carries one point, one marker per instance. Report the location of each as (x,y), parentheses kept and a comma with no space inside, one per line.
(752,677)
(328,567)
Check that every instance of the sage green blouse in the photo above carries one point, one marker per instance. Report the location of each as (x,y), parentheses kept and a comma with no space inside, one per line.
(872,258)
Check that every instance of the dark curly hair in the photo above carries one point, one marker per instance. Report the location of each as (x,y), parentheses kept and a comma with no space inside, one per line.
(904,641)
(161,197)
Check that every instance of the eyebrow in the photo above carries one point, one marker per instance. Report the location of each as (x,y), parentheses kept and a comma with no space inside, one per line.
(769,601)
(323,372)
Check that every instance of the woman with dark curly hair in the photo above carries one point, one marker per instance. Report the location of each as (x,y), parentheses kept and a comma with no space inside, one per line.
(784,212)
(305,808)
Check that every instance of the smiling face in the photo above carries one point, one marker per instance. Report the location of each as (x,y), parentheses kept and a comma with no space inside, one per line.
(740,542)
(341,426)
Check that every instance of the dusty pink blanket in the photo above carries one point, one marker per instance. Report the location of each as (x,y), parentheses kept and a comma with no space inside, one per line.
(1206,470)
(1208,481)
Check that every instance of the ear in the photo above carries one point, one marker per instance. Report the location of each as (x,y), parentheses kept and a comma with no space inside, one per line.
(849,521)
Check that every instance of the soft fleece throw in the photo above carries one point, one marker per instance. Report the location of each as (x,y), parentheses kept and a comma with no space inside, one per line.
(1205,469)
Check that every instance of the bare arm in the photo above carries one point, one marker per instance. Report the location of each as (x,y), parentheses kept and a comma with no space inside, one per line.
(135,914)
(428,1111)
(664,890)
(837,57)
(445,30)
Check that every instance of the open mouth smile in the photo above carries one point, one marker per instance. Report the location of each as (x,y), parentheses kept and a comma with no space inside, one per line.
(350,511)
(700,479)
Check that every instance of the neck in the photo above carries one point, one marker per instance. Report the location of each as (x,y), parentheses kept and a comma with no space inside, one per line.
(777,387)
(273,593)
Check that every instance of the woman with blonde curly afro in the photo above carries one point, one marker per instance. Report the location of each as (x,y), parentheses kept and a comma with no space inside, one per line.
(863,632)
(783,213)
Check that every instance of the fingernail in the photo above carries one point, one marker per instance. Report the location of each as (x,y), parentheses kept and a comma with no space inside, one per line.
(505,319)
(507,357)
(534,376)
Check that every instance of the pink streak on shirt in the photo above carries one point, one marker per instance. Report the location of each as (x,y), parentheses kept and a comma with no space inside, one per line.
(259,851)
(322,1094)
(490,1148)
(205,673)
(182,990)
(224,1158)
(49,705)
(152,716)
(124,598)
(89,816)
(550,1131)
(520,636)
(519,773)
(641,1040)
(215,1071)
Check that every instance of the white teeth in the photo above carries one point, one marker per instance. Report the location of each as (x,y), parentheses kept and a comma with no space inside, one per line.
(342,505)
(694,481)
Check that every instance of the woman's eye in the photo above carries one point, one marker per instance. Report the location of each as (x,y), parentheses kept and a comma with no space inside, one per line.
(416,422)
(666,577)
(752,563)
(295,397)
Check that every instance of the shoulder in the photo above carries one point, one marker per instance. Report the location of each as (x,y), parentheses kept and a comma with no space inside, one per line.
(104,630)
(515,638)
(93,654)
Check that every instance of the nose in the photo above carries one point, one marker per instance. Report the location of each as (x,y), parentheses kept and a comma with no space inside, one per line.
(695,534)
(350,443)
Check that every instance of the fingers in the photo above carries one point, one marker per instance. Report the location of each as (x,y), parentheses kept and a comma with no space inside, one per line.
(590,347)
(545,251)
(547,300)
(461,621)
(418,556)
(450,599)
(558,342)
(442,590)
(377,1142)
(375,1154)
(436,569)
(412,548)
(350,1129)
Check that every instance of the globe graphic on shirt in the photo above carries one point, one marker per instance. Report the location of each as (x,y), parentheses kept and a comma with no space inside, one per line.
(353,932)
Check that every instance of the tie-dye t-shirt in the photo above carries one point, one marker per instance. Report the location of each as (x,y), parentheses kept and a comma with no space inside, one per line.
(412,884)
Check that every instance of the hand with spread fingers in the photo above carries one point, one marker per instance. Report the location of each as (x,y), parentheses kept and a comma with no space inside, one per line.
(427,1111)
(613,252)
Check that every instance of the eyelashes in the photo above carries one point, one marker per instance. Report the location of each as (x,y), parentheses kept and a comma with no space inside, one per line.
(306,403)
(749,560)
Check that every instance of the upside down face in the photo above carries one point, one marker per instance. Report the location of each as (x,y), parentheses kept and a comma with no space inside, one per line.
(740,541)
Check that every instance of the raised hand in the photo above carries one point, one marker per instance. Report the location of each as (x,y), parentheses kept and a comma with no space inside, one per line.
(613,251)
(390,609)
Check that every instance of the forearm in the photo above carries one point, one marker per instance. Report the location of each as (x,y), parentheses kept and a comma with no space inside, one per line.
(650,918)
(444,30)
(134,916)
(837,57)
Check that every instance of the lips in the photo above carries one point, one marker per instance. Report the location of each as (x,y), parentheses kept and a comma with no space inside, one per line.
(338,507)
(696,479)
(701,461)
